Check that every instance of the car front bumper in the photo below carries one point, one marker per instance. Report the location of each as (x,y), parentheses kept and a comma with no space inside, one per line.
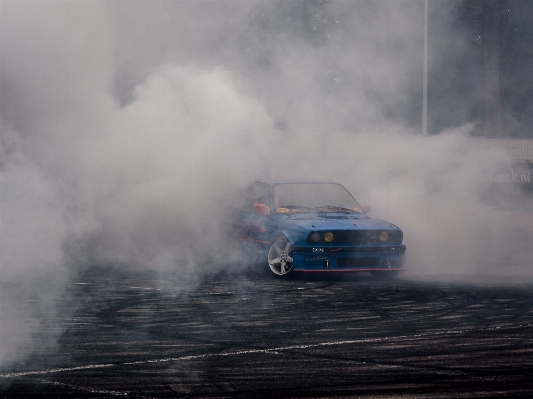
(348,258)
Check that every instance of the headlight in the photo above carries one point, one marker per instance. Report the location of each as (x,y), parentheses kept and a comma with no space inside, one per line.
(383,236)
(328,237)
(314,236)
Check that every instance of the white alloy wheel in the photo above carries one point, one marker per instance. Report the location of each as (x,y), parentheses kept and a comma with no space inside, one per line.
(280,256)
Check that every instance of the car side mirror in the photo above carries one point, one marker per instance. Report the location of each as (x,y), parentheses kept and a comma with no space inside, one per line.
(366,208)
(262,209)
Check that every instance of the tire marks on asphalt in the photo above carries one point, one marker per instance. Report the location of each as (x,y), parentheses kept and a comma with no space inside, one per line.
(397,339)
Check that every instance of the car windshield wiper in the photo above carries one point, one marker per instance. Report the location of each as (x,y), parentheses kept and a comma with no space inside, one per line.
(334,209)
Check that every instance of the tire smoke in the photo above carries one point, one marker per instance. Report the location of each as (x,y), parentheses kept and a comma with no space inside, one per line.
(127,134)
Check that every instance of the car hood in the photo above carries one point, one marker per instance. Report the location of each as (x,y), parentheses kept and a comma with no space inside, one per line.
(330,222)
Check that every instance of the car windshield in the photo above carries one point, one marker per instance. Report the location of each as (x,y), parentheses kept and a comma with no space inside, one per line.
(313,197)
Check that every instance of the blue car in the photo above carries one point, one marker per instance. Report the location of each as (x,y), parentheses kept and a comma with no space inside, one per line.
(314,227)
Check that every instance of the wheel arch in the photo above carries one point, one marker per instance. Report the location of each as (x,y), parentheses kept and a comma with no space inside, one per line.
(291,235)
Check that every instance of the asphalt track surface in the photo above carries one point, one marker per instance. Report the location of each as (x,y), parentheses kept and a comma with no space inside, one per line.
(242,336)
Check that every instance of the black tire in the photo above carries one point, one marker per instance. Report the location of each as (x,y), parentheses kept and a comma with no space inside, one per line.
(279,257)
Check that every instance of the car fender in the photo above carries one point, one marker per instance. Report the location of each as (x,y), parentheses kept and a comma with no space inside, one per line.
(294,236)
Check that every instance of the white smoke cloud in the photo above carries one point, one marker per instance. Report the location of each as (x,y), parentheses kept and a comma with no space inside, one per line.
(32,229)
(169,163)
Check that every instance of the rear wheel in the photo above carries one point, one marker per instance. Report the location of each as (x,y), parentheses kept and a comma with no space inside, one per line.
(279,256)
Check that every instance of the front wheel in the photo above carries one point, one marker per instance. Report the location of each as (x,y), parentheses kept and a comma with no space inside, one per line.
(279,256)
